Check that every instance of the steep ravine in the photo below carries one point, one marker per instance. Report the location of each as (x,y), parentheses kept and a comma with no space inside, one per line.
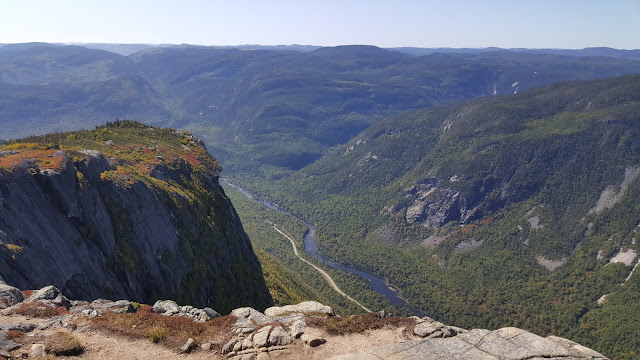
(97,230)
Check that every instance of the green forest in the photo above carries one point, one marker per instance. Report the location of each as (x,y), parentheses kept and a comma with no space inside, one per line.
(546,154)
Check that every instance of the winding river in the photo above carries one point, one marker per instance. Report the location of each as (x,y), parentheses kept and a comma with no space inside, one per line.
(377,283)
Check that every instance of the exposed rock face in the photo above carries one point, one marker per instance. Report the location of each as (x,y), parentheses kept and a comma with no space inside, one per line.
(613,194)
(427,327)
(434,206)
(506,343)
(435,203)
(93,237)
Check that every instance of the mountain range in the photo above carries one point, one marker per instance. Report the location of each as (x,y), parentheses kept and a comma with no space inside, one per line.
(490,187)
(261,108)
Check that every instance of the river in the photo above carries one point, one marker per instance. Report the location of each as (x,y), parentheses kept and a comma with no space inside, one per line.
(377,283)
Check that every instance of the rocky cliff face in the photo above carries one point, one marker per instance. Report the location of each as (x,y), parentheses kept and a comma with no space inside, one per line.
(126,225)
(434,205)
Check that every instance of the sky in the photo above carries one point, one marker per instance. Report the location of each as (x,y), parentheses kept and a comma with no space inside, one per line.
(570,24)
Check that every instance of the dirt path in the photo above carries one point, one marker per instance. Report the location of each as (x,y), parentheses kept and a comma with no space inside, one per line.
(324,273)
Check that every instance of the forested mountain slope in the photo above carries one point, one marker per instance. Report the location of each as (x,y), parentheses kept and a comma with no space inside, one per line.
(515,210)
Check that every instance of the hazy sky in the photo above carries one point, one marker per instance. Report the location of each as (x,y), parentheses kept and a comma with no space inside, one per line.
(387,23)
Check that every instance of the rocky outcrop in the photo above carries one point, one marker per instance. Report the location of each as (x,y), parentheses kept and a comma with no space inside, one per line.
(427,327)
(171,308)
(434,204)
(9,296)
(133,237)
(255,335)
(304,308)
(505,343)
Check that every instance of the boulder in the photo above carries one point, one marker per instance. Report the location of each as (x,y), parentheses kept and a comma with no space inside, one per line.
(36,351)
(428,327)
(119,307)
(50,295)
(199,315)
(228,346)
(211,313)
(247,343)
(166,307)
(188,346)
(305,308)
(279,337)
(9,296)
(238,346)
(297,328)
(24,327)
(6,343)
(261,337)
(252,315)
(171,308)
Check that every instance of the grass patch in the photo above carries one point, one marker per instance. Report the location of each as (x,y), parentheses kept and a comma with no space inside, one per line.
(64,344)
(359,323)
(170,331)
(13,247)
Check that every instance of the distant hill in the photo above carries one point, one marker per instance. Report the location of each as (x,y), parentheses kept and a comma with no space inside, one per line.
(593,51)
(128,49)
(122,49)
(261,111)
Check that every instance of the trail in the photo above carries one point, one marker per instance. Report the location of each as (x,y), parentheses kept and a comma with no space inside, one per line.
(322,272)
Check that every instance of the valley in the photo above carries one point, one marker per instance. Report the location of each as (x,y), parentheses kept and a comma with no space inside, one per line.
(378,284)
(487,264)
(491,188)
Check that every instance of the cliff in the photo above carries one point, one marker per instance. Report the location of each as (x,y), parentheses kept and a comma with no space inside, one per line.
(124,211)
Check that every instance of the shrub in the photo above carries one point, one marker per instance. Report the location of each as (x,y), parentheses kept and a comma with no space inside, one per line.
(65,344)
(40,310)
(358,323)
(157,334)
(170,331)
(14,334)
